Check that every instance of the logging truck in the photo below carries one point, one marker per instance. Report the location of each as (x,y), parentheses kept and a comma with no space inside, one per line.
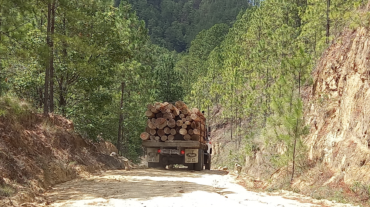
(176,134)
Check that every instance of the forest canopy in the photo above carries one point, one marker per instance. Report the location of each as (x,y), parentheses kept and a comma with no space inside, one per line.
(173,24)
(101,62)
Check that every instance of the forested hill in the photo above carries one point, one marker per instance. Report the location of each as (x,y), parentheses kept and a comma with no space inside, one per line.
(173,24)
(247,65)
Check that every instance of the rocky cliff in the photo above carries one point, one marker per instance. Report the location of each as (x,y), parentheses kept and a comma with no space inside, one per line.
(338,109)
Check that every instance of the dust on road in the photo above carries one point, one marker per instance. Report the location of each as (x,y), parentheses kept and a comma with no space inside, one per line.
(162,188)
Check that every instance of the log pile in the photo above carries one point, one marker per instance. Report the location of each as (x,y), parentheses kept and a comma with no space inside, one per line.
(167,122)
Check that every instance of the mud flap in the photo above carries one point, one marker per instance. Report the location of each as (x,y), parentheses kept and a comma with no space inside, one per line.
(191,155)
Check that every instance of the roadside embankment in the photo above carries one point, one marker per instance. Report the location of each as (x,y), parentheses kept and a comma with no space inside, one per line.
(37,152)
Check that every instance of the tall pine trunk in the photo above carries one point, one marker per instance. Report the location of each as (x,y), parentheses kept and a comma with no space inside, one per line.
(296,129)
(120,124)
(52,31)
(63,80)
(327,21)
(49,72)
(1,64)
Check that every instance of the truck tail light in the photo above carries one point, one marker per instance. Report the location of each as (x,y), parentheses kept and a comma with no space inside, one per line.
(182,152)
(159,151)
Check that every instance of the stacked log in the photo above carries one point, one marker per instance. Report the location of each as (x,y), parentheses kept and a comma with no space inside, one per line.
(167,122)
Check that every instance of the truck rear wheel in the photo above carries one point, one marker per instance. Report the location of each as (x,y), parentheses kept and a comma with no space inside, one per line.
(208,164)
(199,166)
(191,167)
(153,164)
(156,165)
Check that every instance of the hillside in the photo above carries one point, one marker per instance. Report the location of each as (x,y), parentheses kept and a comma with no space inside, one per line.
(174,24)
(37,153)
(284,86)
(337,106)
(333,160)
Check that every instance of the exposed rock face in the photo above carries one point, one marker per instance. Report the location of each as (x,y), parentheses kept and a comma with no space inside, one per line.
(338,108)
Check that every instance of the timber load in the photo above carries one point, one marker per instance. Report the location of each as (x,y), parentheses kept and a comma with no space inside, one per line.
(167,122)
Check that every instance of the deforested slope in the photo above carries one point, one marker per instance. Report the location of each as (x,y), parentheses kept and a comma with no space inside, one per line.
(37,152)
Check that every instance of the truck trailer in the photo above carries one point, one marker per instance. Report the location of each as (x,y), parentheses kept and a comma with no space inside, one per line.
(176,135)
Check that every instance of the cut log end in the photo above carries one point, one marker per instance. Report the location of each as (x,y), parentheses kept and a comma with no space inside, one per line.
(168,122)
(183,131)
(179,123)
(187,137)
(149,106)
(195,117)
(153,132)
(170,138)
(190,131)
(188,118)
(145,136)
(149,114)
(154,110)
(163,138)
(160,132)
(180,104)
(167,130)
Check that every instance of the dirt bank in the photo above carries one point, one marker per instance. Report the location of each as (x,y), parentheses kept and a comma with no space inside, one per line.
(38,152)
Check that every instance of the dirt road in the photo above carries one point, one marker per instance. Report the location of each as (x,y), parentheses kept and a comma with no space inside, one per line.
(164,188)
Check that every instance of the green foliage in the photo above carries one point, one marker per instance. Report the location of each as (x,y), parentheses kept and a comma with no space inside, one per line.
(259,69)
(361,189)
(313,35)
(167,79)
(255,69)
(96,48)
(194,64)
(174,24)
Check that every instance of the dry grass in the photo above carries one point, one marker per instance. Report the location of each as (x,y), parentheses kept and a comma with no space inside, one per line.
(15,110)
(48,126)
(6,191)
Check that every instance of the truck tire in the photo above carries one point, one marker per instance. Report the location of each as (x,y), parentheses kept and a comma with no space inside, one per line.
(199,166)
(154,165)
(208,165)
(157,164)
(191,166)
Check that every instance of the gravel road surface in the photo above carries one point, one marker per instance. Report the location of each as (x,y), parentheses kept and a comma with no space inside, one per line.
(166,188)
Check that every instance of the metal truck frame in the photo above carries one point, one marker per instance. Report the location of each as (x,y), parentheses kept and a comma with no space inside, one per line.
(194,154)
